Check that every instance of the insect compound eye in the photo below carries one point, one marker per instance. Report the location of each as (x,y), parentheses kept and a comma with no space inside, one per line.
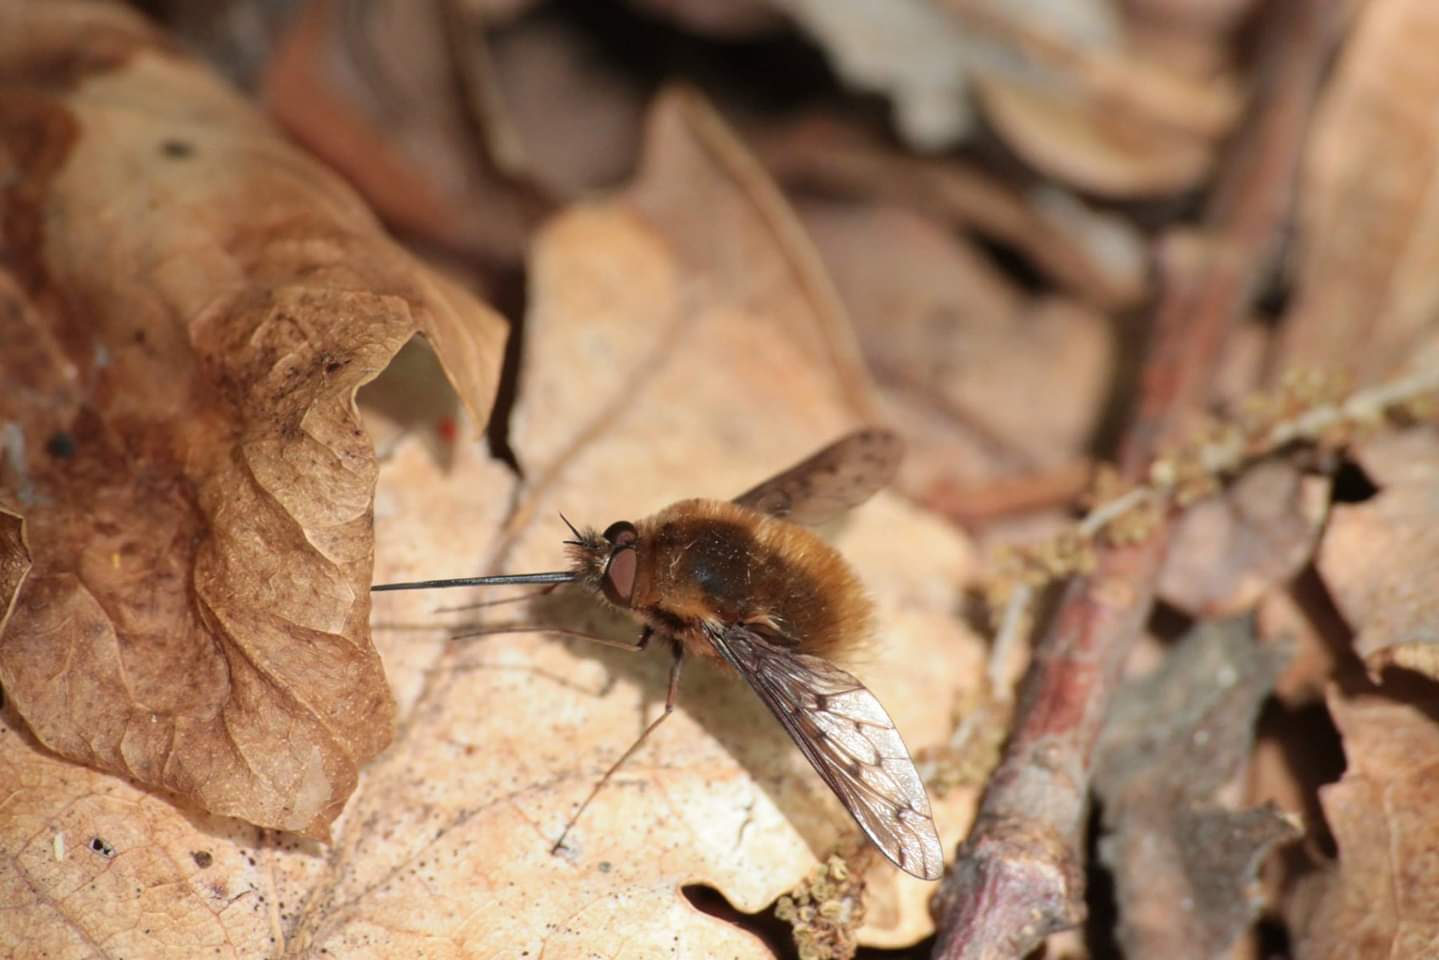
(619,581)
(622,533)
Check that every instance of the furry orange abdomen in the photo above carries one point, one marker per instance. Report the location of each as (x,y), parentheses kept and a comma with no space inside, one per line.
(711,561)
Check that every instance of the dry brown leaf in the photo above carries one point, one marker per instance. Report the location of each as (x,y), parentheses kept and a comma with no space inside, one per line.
(1092,149)
(459,132)
(1094,255)
(1367,228)
(1174,745)
(1378,557)
(1380,899)
(195,306)
(574,121)
(1226,552)
(235,37)
(1188,34)
(374,90)
(1136,117)
(957,350)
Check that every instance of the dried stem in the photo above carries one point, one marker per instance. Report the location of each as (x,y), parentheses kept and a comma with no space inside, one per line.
(1020,874)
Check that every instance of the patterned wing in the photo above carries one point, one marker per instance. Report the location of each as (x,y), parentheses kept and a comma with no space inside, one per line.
(850,740)
(842,475)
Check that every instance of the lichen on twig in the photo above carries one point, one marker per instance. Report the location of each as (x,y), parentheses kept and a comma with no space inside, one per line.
(825,911)
(1309,407)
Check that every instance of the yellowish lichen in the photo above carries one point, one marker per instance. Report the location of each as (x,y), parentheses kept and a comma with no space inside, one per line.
(1313,407)
(825,911)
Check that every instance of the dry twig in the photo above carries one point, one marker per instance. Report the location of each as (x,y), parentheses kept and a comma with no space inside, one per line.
(1019,876)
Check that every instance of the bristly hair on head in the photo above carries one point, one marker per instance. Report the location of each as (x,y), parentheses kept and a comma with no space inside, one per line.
(579,539)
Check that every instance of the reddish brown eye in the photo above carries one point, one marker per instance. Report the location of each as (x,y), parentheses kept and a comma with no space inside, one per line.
(621,533)
(620,575)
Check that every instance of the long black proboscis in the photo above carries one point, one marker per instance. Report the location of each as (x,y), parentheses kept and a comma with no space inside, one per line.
(506,579)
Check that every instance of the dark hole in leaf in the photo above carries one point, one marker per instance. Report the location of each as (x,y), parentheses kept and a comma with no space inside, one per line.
(925,948)
(1099,895)
(61,445)
(775,71)
(99,845)
(509,297)
(1015,265)
(177,149)
(1352,484)
(1273,301)
(1271,936)
(202,858)
(775,933)
(1169,623)
(1314,753)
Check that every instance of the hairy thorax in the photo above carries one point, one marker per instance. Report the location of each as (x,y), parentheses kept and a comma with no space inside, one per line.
(711,563)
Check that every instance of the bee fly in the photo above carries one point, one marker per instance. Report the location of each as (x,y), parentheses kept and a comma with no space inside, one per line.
(742,582)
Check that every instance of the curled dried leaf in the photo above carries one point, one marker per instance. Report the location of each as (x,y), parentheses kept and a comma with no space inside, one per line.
(1378,557)
(1380,898)
(197,305)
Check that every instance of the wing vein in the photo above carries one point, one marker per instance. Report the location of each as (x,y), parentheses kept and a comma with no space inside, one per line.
(861,758)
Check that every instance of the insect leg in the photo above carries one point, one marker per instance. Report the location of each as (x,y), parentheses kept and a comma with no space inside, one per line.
(500,602)
(502,628)
(679,655)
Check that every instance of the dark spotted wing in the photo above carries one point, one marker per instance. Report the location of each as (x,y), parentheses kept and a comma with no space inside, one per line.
(842,475)
(845,733)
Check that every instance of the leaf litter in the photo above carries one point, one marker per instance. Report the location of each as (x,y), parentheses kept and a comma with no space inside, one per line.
(682,337)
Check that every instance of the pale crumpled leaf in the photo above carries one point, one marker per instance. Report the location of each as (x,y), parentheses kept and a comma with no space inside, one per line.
(924,55)
(90,865)
(1378,557)
(192,304)
(672,349)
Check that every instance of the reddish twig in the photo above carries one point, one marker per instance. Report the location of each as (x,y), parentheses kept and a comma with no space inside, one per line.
(1020,875)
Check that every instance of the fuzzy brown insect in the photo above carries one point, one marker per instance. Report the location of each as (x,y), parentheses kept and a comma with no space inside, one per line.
(741,582)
